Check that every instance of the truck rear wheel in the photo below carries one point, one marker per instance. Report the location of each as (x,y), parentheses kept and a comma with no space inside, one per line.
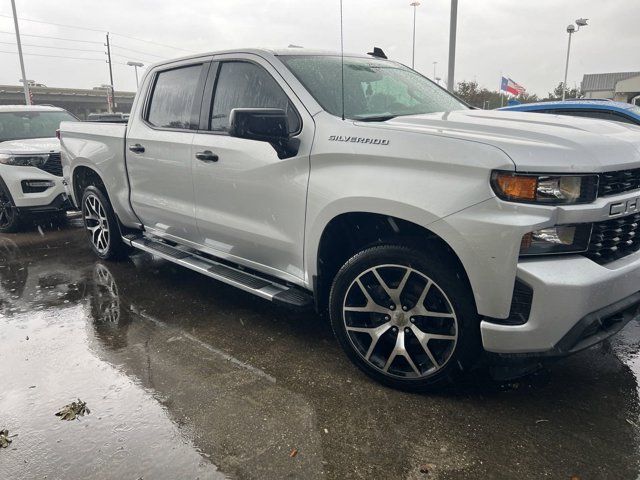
(101,225)
(405,318)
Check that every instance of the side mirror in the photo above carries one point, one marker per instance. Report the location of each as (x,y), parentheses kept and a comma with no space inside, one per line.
(265,125)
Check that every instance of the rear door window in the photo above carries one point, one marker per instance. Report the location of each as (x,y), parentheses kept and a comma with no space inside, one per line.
(174,96)
(247,85)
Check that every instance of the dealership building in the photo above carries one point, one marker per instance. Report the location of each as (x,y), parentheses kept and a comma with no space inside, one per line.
(621,87)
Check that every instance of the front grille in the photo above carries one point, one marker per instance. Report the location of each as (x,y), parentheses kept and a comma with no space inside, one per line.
(612,183)
(614,239)
(53,165)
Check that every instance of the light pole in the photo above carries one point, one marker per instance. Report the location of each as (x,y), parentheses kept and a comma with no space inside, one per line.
(453,25)
(434,69)
(413,51)
(135,66)
(25,84)
(571,29)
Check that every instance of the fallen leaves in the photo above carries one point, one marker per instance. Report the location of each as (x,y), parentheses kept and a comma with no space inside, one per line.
(4,438)
(73,410)
(427,467)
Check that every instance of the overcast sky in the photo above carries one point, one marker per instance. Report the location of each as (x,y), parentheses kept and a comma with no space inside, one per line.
(524,39)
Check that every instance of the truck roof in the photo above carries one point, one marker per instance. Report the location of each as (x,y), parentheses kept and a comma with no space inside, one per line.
(289,51)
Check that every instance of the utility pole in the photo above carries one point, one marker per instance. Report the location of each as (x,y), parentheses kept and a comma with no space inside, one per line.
(413,51)
(25,84)
(112,102)
(452,45)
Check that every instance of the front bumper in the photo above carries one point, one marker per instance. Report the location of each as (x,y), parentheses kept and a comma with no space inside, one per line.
(576,304)
(12,176)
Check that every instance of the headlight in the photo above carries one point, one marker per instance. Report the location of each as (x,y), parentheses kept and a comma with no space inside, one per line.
(558,239)
(546,189)
(24,160)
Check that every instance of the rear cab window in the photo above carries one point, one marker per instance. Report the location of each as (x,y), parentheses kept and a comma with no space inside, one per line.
(174,101)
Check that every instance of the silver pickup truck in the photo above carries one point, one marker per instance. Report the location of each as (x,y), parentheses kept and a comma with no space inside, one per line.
(432,234)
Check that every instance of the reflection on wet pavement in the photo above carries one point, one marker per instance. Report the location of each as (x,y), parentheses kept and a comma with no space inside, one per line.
(188,378)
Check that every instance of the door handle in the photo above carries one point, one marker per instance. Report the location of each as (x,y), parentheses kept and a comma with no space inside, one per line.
(136,148)
(207,156)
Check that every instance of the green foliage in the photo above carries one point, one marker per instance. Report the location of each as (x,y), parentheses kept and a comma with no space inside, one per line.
(557,93)
(471,93)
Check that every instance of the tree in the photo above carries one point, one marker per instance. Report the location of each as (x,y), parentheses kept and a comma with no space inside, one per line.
(471,93)
(557,93)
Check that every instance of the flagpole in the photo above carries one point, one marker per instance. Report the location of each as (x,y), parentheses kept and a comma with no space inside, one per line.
(500,91)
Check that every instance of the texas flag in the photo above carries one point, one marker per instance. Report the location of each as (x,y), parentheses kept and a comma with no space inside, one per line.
(511,87)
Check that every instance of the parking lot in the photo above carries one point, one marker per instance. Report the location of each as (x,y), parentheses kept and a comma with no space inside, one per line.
(188,378)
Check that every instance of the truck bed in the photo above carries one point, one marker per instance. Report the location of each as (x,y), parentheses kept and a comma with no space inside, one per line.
(99,146)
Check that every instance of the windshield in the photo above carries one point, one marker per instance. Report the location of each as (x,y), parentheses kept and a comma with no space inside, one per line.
(374,89)
(21,125)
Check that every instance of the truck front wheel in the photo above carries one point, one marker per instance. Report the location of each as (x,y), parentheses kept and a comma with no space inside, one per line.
(405,318)
(101,225)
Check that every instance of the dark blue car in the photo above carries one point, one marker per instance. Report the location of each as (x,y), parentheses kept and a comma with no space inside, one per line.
(601,109)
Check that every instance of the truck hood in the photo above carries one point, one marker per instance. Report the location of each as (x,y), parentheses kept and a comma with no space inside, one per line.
(30,145)
(536,142)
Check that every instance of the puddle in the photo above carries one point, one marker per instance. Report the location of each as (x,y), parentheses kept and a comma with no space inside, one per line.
(128,433)
(188,378)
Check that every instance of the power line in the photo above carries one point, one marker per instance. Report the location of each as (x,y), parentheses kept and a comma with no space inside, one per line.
(131,57)
(53,38)
(101,31)
(56,56)
(57,48)
(153,43)
(56,24)
(138,51)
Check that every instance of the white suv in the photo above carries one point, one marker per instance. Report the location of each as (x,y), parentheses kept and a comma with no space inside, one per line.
(30,169)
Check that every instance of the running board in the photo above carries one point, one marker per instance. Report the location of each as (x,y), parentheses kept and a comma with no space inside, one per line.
(262,287)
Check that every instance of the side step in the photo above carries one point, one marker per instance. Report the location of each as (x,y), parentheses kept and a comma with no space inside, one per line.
(262,287)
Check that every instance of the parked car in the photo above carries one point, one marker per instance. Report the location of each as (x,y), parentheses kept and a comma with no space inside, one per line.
(429,232)
(600,109)
(30,168)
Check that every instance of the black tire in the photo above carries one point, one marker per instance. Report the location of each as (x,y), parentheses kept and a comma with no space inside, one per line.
(10,220)
(98,213)
(421,369)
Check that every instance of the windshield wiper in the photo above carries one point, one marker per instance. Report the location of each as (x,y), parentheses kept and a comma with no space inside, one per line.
(376,118)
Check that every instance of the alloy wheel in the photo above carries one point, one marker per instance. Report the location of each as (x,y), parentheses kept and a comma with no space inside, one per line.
(96,223)
(400,321)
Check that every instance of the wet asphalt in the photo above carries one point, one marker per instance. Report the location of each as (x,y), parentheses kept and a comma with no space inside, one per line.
(188,378)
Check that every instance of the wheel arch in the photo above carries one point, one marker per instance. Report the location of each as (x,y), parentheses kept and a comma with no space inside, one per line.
(116,191)
(82,177)
(346,233)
